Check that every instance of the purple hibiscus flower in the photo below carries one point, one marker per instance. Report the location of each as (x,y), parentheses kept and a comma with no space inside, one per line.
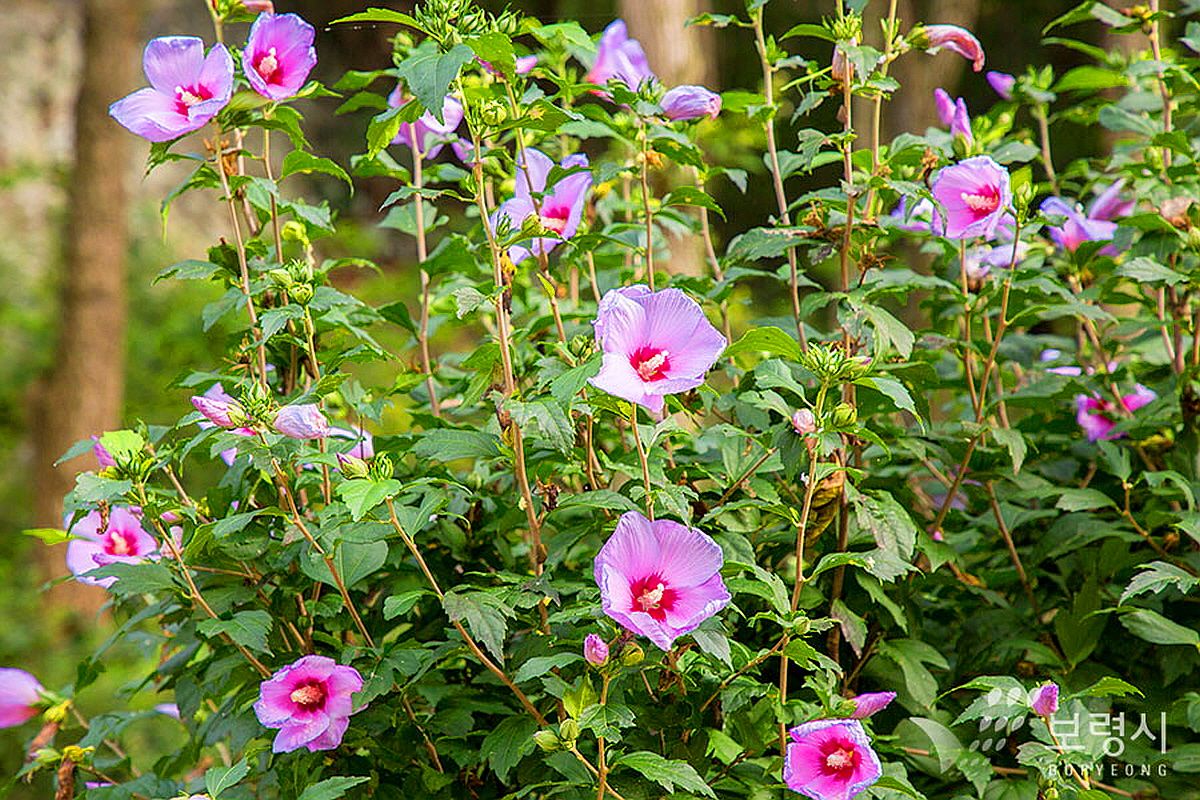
(1097,416)
(1002,83)
(123,541)
(870,703)
(186,89)
(956,40)
(310,702)
(654,343)
(1096,226)
(279,55)
(301,421)
(660,579)
(427,135)
(1044,699)
(19,696)
(619,57)
(691,102)
(561,208)
(975,194)
(830,759)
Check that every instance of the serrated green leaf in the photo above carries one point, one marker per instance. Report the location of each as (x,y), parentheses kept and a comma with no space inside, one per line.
(218,779)
(331,788)
(248,628)
(667,774)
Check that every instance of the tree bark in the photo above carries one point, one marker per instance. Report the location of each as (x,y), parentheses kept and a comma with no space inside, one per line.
(82,394)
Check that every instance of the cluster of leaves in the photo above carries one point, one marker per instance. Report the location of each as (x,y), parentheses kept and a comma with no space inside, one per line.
(946,533)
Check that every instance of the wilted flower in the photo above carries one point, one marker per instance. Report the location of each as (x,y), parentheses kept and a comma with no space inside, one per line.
(310,702)
(1095,227)
(654,343)
(259,6)
(1096,416)
(18,696)
(101,453)
(869,703)
(975,194)
(660,579)
(303,421)
(619,57)
(595,650)
(364,442)
(804,423)
(124,541)
(830,759)
(690,102)
(279,55)
(1045,699)
(186,90)
(1002,83)
(558,210)
(427,135)
(934,38)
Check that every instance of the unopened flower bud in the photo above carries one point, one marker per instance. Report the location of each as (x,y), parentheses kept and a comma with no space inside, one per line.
(304,421)
(548,741)
(294,231)
(595,650)
(1044,700)
(281,277)
(352,466)
(1193,238)
(76,753)
(493,114)
(301,293)
(632,655)
(691,102)
(259,6)
(57,712)
(844,415)
(804,423)
(381,468)
(102,455)
(568,731)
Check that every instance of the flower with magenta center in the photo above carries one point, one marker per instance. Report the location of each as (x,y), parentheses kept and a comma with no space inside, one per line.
(956,40)
(660,579)
(279,55)
(1097,416)
(427,136)
(1096,226)
(310,702)
(691,102)
(654,343)
(619,57)
(558,209)
(123,541)
(830,759)
(187,89)
(975,194)
(19,696)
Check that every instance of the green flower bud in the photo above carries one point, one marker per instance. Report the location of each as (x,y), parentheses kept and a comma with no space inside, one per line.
(1193,238)
(844,415)
(353,466)
(548,741)
(301,293)
(294,231)
(281,277)
(632,655)
(493,114)
(568,731)
(381,468)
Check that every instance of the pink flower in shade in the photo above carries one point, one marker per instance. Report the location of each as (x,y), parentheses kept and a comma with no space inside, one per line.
(1097,418)
(279,55)
(654,343)
(310,702)
(975,194)
(920,219)
(956,40)
(124,541)
(619,57)
(303,421)
(560,208)
(219,403)
(595,650)
(660,579)
(186,90)
(1002,83)
(102,455)
(1095,227)
(691,102)
(1044,699)
(871,702)
(427,135)
(830,759)
(19,696)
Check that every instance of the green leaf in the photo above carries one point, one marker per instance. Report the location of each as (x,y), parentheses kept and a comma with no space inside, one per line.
(539,665)
(548,418)
(667,774)
(1083,500)
(50,536)
(1147,270)
(566,386)
(122,445)
(1156,576)
(485,616)
(143,577)
(1109,686)
(769,340)
(816,31)
(298,161)
(1089,79)
(496,49)
(430,73)
(247,628)
(449,444)
(273,320)
(946,746)
(331,788)
(691,196)
(91,488)
(1157,629)
(383,128)
(1014,442)
(218,779)
(363,494)
(599,498)
(878,513)
(353,561)
(507,743)
(893,390)
(379,15)
(400,604)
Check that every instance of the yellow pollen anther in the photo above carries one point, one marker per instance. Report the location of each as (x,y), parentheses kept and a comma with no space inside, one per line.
(839,759)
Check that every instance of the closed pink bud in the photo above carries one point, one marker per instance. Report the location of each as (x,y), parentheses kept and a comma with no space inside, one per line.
(259,6)
(870,702)
(303,421)
(102,455)
(955,39)
(221,412)
(595,650)
(804,423)
(691,102)
(1045,699)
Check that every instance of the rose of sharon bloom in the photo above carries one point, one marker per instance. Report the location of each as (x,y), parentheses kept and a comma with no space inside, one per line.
(310,702)
(18,696)
(124,541)
(279,55)
(830,759)
(654,343)
(691,102)
(186,90)
(1097,416)
(219,403)
(975,193)
(595,650)
(427,135)
(1095,227)
(660,579)
(1045,700)
(619,57)
(956,40)
(303,421)
(869,703)
(1002,83)
(560,209)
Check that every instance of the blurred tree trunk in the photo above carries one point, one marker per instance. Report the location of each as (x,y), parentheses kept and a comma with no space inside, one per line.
(678,55)
(82,394)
